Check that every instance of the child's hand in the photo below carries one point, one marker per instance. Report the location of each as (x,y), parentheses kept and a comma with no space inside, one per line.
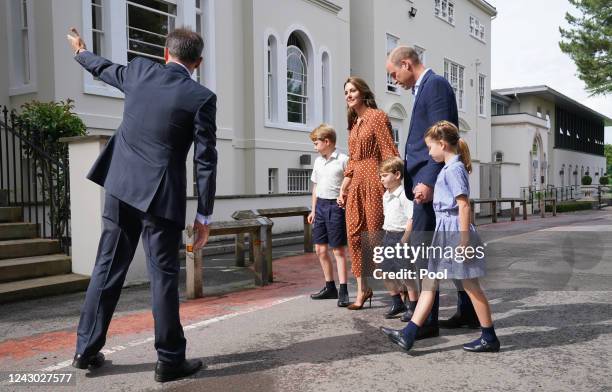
(311,218)
(405,238)
(340,200)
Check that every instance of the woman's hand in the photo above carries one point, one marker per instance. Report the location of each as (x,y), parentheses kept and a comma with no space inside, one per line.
(340,200)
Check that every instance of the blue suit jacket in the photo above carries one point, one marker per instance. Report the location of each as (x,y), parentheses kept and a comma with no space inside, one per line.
(165,111)
(435,101)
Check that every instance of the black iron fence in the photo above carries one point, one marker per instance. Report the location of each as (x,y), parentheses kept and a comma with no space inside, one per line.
(564,193)
(36,178)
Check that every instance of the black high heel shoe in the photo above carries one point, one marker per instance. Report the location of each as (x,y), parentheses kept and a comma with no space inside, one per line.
(367,296)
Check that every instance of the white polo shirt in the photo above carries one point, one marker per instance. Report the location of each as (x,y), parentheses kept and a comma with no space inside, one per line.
(397,209)
(328,174)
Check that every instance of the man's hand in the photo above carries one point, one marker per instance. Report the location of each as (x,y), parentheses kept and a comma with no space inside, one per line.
(311,218)
(201,235)
(75,40)
(422,193)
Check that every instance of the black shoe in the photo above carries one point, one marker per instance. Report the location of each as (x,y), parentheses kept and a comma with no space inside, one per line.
(394,310)
(325,293)
(343,299)
(482,346)
(407,316)
(428,331)
(460,321)
(168,372)
(81,362)
(396,336)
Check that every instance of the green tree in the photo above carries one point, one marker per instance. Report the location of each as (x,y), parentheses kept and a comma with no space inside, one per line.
(588,41)
(608,153)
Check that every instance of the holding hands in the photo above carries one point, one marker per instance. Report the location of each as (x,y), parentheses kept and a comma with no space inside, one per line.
(422,193)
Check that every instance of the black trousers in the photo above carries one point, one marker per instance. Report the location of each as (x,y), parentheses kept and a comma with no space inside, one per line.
(123,226)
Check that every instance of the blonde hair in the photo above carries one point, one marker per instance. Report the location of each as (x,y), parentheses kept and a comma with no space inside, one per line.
(322,132)
(366,95)
(447,131)
(392,165)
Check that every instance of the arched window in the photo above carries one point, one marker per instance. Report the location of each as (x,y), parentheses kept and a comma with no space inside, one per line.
(271,77)
(297,80)
(325,92)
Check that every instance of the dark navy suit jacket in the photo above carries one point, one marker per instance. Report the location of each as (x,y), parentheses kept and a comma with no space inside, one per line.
(435,101)
(165,111)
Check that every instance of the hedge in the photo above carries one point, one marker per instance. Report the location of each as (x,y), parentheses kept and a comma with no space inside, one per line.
(571,206)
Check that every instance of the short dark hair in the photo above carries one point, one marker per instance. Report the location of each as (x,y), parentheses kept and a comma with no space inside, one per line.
(185,45)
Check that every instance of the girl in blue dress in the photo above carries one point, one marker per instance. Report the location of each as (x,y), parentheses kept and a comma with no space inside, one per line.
(454,235)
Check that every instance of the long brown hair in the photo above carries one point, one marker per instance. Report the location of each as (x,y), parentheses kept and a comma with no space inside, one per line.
(447,131)
(366,94)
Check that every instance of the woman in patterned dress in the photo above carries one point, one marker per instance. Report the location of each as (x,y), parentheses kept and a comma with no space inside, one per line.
(370,143)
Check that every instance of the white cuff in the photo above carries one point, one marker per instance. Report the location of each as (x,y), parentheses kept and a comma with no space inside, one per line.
(205,220)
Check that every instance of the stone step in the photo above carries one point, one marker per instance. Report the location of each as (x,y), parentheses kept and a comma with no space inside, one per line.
(42,287)
(3,198)
(18,230)
(28,247)
(11,214)
(34,267)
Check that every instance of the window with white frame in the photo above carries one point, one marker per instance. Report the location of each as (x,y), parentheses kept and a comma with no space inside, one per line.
(421,53)
(199,30)
(392,42)
(325,91)
(445,10)
(298,180)
(97,27)
(477,29)
(21,46)
(481,95)
(148,24)
(271,77)
(396,138)
(272,180)
(453,72)
(297,80)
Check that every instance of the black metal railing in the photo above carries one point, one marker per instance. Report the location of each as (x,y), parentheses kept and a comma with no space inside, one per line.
(564,193)
(36,177)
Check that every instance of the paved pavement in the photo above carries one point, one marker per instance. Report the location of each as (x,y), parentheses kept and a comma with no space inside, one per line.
(549,282)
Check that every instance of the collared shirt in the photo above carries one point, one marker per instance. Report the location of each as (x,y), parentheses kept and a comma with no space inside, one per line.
(397,209)
(328,174)
(415,89)
(452,181)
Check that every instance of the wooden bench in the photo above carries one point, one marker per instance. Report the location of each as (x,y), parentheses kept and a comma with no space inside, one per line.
(493,203)
(272,213)
(513,202)
(259,229)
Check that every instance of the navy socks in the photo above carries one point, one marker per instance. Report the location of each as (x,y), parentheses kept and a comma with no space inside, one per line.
(343,288)
(330,285)
(397,300)
(488,334)
(432,319)
(412,305)
(410,331)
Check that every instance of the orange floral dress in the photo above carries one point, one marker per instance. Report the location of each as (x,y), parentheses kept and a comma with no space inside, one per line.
(370,143)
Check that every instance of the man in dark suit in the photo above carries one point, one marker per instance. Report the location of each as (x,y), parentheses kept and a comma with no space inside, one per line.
(143,172)
(434,101)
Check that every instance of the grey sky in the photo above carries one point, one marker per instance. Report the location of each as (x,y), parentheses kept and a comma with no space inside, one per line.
(525,51)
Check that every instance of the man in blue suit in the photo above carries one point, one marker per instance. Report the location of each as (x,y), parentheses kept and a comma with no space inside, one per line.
(434,101)
(143,172)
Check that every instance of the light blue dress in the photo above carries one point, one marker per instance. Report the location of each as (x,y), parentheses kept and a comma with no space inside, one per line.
(453,181)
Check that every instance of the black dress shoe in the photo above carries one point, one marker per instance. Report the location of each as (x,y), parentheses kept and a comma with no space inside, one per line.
(168,372)
(407,316)
(325,293)
(394,310)
(343,300)
(482,346)
(428,331)
(81,362)
(460,321)
(397,337)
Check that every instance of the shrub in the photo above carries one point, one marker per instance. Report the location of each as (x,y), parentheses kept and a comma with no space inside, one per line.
(586,180)
(603,180)
(571,206)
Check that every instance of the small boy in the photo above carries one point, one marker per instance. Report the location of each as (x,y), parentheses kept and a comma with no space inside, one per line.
(397,226)
(327,218)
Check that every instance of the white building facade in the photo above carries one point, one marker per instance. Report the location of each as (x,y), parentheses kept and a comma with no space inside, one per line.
(454,40)
(542,138)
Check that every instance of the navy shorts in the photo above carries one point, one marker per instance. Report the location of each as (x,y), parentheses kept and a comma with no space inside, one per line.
(329,226)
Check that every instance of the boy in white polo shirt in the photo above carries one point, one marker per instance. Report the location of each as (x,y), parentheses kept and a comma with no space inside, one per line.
(397,226)
(327,218)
